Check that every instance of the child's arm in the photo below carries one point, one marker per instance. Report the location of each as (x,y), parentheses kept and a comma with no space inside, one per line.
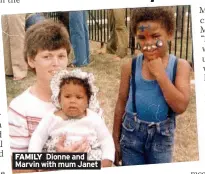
(40,135)
(177,96)
(120,107)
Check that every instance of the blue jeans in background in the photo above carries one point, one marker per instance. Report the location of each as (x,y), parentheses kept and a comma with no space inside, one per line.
(146,143)
(79,37)
(33,19)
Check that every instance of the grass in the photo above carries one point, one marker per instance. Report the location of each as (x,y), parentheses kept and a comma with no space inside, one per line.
(107,74)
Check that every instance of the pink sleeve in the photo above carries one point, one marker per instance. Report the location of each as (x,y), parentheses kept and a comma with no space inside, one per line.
(18,131)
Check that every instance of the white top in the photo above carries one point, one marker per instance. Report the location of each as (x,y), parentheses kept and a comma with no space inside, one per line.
(25,112)
(90,126)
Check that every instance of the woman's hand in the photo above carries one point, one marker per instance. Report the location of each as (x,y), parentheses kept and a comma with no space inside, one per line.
(106,163)
(80,146)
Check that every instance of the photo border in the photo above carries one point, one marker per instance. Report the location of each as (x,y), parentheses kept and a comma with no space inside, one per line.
(183,167)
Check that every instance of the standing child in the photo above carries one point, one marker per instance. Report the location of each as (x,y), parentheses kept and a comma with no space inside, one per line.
(150,93)
(75,117)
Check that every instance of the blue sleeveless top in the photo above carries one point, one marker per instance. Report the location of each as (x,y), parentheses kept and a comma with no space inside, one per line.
(151,105)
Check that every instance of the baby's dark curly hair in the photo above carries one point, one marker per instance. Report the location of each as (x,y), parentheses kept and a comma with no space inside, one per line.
(77,81)
(164,15)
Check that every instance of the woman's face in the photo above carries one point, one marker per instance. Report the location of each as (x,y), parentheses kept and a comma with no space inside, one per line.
(148,33)
(46,63)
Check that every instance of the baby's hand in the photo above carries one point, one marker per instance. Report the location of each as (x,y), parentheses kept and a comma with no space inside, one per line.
(79,146)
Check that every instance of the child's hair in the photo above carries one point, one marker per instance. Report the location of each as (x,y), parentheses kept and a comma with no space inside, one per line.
(164,15)
(77,81)
(45,35)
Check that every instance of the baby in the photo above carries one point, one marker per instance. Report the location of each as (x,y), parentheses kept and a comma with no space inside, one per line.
(77,117)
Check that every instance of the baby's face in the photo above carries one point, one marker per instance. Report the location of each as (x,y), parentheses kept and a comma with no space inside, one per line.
(73,100)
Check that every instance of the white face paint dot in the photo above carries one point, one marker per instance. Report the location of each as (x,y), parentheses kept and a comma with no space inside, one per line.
(154,46)
(159,43)
(145,47)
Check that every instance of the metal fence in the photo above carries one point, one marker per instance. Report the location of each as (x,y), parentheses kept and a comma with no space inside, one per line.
(181,45)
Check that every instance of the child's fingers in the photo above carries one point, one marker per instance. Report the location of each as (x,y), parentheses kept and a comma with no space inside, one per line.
(152,57)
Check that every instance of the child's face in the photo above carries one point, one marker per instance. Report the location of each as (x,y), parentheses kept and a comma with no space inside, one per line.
(148,33)
(73,100)
(46,63)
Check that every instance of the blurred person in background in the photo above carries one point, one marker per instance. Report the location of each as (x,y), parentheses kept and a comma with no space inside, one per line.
(118,42)
(13,31)
(78,30)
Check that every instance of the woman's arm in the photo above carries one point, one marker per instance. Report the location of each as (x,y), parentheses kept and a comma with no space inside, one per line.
(18,130)
(40,135)
(19,135)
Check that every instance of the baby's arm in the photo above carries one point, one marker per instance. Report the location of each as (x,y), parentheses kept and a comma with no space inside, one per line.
(40,135)
(106,142)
